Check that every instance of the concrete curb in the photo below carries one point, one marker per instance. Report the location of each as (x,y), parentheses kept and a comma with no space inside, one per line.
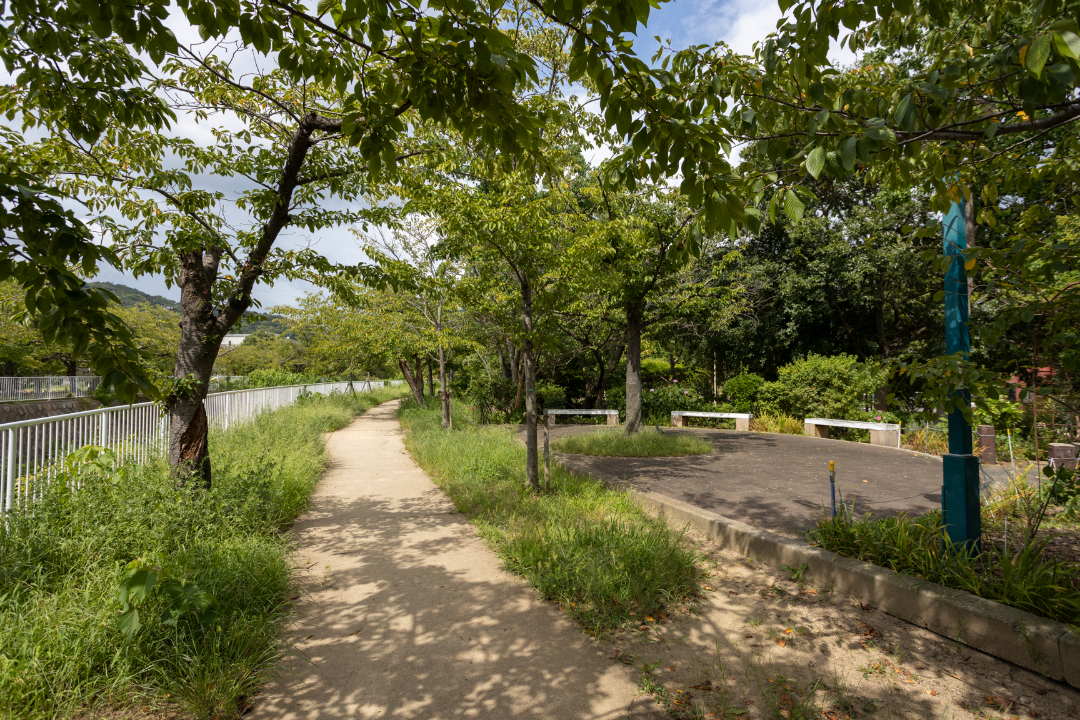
(1044,646)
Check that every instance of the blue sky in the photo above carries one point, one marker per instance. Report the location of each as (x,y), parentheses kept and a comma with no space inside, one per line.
(685,22)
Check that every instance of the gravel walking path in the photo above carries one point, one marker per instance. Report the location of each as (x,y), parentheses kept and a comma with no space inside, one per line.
(405,612)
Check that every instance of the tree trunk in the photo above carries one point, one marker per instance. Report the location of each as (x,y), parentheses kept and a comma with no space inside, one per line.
(200,340)
(633,371)
(419,375)
(520,373)
(415,384)
(431,377)
(504,368)
(714,376)
(443,392)
(593,388)
(532,457)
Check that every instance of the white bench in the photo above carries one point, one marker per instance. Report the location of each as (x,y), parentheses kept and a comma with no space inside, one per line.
(612,415)
(742,420)
(880,433)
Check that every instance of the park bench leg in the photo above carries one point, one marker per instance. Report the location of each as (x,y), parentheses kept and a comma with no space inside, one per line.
(612,419)
(742,424)
(676,421)
(814,430)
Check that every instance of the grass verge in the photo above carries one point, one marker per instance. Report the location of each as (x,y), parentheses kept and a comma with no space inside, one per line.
(62,652)
(585,546)
(645,443)
(918,546)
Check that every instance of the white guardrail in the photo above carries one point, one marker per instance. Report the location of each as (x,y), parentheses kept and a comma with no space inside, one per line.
(30,450)
(16,389)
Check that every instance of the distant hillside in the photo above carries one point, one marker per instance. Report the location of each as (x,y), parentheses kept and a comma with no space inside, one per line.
(252,322)
(130,296)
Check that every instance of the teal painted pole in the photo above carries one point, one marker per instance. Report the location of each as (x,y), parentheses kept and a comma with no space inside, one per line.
(960,467)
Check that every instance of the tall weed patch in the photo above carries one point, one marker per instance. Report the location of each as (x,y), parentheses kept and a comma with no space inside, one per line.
(583,545)
(644,443)
(62,648)
(918,546)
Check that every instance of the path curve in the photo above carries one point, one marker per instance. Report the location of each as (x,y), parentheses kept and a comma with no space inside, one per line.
(407,613)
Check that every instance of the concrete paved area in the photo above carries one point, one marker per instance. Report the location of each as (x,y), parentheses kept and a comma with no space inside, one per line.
(776,482)
(406,613)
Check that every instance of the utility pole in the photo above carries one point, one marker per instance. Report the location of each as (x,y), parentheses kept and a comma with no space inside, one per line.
(960,467)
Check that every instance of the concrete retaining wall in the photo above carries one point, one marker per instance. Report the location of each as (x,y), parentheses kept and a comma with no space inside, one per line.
(1045,646)
(14,412)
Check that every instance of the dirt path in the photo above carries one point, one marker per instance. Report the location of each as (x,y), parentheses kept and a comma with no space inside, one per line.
(406,613)
(762,645)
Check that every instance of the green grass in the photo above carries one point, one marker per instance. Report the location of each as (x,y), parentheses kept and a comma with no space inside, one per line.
(60,647)
(583,545)
(644,443)
(914,546)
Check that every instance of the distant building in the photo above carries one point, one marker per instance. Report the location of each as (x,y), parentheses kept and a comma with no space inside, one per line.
(233,340)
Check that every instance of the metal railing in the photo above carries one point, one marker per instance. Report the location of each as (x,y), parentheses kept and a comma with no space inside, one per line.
(31,450)
(16,389)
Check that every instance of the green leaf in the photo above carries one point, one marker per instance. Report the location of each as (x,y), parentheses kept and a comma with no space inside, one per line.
(903,110)
(1037,54)
(793,206)
(847,149)
(128,623)
(1068,44)
(815,162)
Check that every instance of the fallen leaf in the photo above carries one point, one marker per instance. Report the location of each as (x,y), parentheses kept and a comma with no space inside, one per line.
(931,692)
(785,698)
(294,597)
(749,635)
(650,618)
(788,631)
(732,592)
(866,481)
(671,668)
(707,685)
(784,713)
(354,632)
(918,667)
(781,642)
(706,587)
(909,681)
(309,637)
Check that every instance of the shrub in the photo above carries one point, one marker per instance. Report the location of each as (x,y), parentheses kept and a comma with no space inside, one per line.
(820,386)
(277,378)
(742,391)
(549,396)
(776,423)
(492,398)
(657,403)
